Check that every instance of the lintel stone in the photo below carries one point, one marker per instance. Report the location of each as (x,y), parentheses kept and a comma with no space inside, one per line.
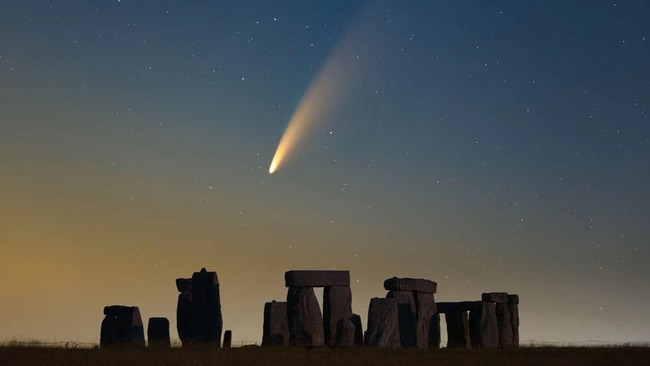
(316,278)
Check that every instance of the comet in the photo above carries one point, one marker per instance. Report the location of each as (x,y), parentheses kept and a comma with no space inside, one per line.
(334,81)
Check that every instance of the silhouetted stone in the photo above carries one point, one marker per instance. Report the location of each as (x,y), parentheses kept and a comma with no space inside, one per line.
(513,308)
(158,332)
(276,325)
(227,339)
(410,284)
(337,305)
(207,321)
(383,324)
(316,278)
(434,331)
(513,298)
(344,333)
(504,324)
(184,284)
(184,317)
(358,330)
(304,317)
(501,297)
(122,325)
(458,335)
(484,331)
(450,307)
(407,317)
(425,308)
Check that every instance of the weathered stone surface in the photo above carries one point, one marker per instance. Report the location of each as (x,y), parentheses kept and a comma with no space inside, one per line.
(450,307)
(410,284)
(495,297)
(184,284)
(513,298)
(227,339)
(276,325)
(184,317)
(344,333)
(458,335)
(513,308)
(207,321)
(316,278)
(337,305)
(122,325)
(358,330)
(425,309)
(407,317)
(434,331)
(504,324)
(304,317)
(158,332)
(483,327)
(383,324)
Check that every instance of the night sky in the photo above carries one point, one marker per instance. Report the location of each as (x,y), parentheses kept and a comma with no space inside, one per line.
(485,145)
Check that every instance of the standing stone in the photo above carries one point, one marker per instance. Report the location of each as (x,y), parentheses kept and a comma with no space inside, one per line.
(227,339)
(158,332)
(276,325)
(344,333)
(122,325)
(425,306)
(434,331)
(337,305)
(207,321)
(513,308)
(358,330)
(504,323)
(304,317)
(407,317)
(184,317)
(383,324)
(484,331)
(457,329)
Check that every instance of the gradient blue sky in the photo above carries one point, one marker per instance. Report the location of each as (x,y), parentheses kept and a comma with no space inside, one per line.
(488,146)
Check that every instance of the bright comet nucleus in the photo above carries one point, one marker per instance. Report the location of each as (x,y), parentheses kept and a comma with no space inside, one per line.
(336,78)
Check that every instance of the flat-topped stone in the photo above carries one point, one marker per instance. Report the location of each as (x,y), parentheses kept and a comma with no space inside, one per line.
(513,298)
(184,284)
(501,297)
(118,310)
(316,278)
(410,284)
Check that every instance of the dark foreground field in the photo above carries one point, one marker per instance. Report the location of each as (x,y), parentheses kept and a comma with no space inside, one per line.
(34,355)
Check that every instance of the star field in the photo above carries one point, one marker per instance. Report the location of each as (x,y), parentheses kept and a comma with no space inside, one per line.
(488,146)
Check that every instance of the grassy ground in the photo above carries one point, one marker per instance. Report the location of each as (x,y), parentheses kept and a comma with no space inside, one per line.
(25,354)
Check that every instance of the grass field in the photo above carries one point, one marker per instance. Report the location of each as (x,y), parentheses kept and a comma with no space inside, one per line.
(33,354)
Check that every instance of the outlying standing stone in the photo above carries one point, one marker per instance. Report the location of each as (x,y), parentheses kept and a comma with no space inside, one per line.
(227,339)
(304,317)
(158,332)
(207,321)
(458,335)
(483,325)
(276,326)
(337,305)
(383,324)
(122,325)
(344,333)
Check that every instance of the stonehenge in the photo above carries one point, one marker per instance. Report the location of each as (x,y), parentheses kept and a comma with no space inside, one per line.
(407,317)
(158,332)
(121,325)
